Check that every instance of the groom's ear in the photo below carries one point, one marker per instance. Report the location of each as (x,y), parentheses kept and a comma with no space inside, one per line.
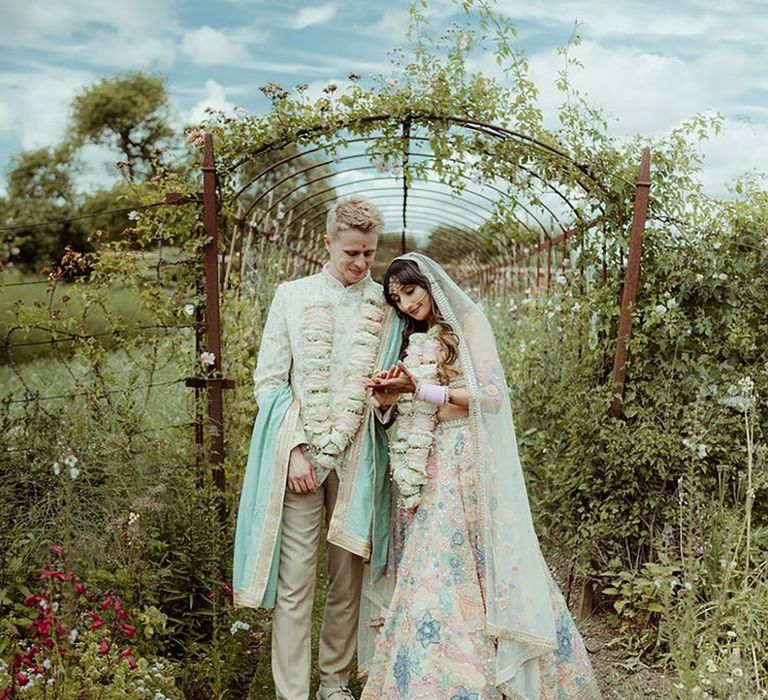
(328,241)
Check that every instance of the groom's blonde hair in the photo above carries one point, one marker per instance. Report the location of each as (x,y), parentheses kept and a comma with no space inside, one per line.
(357,213)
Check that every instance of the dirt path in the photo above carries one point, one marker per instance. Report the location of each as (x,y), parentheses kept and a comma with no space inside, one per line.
(617,682)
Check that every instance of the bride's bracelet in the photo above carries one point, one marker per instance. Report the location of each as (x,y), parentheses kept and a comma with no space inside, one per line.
(436,394)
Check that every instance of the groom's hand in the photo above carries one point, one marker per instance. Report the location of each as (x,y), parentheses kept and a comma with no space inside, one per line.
(301,473)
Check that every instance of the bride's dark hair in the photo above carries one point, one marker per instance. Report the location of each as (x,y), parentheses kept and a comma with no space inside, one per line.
(404,273)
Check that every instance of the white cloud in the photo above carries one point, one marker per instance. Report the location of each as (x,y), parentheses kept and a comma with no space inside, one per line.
(739,148)
(37,103)
(215,98)
(35,24)
(97,168)
(310,16)
(206,46)
(112,50)
(643,21)
(648,92)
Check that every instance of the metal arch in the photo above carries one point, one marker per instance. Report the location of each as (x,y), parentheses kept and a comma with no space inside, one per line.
(422,211)
(294,156)
(376,179)
(308,224)
(314,166)
(373,179)
(517,218)
(423,195)
(517,201)
(472,125)
(391,189)
(423,218)
(531,172)
(467,122)
(371,167)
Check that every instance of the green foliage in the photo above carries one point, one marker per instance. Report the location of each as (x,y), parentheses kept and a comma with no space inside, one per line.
(129,113)
(666,498)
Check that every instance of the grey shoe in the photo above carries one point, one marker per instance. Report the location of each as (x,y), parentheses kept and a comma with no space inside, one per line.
(334,692)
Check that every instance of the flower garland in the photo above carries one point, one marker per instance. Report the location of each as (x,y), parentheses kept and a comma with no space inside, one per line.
(330,429)
(415,427)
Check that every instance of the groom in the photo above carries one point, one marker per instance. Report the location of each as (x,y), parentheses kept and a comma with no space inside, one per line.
(316,448)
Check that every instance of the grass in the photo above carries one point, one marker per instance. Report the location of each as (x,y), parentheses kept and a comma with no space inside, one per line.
(28,289)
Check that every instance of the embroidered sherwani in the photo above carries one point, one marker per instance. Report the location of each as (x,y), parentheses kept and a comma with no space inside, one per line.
(281,355)
(278,532)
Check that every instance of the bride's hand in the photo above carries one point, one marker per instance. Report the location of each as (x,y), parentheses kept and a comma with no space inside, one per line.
(381,397)
(397,380)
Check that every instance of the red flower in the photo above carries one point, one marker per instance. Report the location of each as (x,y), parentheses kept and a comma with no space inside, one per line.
(106,602)
(53,573)
(79,588)
(43,626)
(122,615)
(96,620)
(32,600)
(56,551)
(104,650)
(129,630)
(21,679)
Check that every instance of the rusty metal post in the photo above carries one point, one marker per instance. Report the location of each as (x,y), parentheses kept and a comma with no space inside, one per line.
(642,192)
(212,320)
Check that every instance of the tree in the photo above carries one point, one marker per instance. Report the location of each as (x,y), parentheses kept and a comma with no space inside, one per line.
(41,191)
(128,112)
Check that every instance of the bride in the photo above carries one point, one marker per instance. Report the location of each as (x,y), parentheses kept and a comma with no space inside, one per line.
(472,611)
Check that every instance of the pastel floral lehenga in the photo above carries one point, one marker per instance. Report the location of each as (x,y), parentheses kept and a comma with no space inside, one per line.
(469,617)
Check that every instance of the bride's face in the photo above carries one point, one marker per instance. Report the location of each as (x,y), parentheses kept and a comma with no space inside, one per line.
(411,299)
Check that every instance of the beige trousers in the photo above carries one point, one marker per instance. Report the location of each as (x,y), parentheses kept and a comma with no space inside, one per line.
(292,617)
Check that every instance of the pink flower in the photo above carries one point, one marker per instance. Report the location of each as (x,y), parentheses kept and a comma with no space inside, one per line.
(196,137)
(56,551)
(104,648)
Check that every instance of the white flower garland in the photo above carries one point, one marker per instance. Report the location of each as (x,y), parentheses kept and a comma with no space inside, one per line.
(330,429)
(415,426)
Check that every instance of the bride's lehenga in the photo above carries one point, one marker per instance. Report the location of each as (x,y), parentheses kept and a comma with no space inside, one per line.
(433,645)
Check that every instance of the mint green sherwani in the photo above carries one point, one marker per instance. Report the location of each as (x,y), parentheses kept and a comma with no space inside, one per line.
(360,522)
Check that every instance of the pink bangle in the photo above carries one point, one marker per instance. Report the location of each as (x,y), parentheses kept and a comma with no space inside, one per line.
(436,394)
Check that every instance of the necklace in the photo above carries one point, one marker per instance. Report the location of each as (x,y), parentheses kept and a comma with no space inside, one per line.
(330,429)
(415,426)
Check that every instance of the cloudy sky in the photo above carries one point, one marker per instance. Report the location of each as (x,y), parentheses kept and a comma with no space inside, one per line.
(649,64)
